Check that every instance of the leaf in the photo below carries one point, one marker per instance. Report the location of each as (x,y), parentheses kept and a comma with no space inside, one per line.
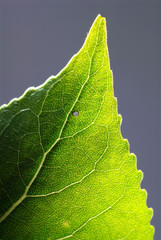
(66,171)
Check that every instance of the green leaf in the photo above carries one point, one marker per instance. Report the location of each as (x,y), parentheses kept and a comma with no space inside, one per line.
(66,171)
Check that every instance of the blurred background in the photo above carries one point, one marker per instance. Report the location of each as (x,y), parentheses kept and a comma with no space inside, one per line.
(38,37)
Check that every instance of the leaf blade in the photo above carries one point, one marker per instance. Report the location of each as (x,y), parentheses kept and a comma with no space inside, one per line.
(87,151)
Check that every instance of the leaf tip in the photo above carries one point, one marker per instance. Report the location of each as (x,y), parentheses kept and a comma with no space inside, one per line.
(98,18)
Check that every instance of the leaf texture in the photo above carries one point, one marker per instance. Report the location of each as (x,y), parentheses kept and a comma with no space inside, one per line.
(66,171)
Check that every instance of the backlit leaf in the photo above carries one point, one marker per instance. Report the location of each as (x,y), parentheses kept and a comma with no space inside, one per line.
(66,172)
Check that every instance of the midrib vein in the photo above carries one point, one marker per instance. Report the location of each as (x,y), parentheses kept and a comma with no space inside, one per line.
(7,213)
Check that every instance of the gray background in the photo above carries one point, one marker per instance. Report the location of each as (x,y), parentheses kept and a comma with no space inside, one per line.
(37,38)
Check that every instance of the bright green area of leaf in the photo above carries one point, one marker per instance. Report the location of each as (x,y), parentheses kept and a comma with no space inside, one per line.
(65,176)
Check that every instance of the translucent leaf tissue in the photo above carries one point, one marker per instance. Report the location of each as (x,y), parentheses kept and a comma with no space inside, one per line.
(65,170)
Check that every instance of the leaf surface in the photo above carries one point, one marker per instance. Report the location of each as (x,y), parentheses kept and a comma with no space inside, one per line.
(66,171)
